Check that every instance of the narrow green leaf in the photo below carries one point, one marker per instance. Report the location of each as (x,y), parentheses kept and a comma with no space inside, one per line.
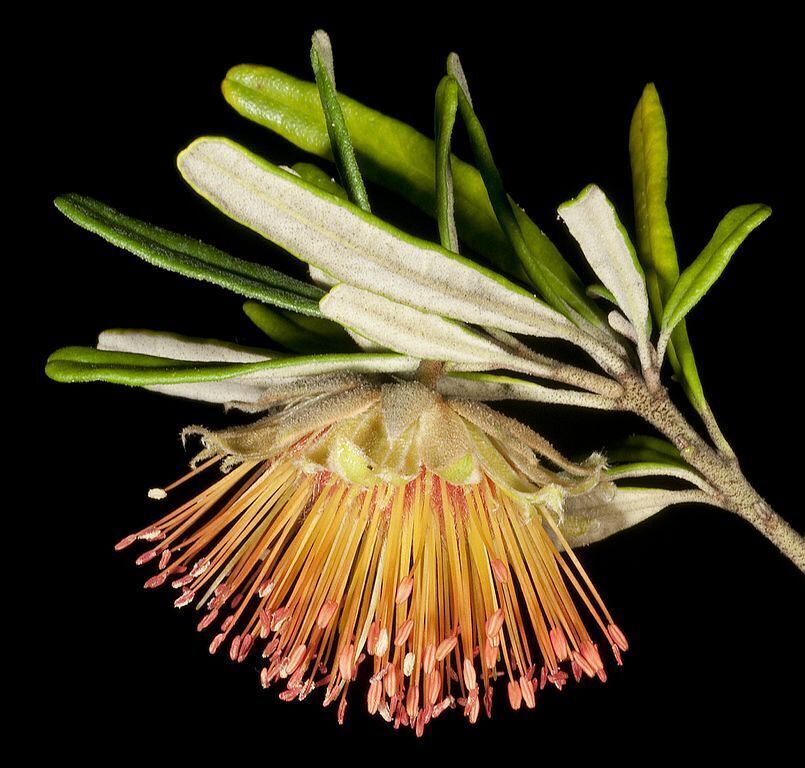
(320,326)
(291,334)
(321,57)
(699,277)
(683,363)
(538,257)
(82,364)
(648,149)
(400,158)
(189,257)
(445,118)
(645,448)
(390,152)
(599,291)
(312,174)
(354,247)
(645,468)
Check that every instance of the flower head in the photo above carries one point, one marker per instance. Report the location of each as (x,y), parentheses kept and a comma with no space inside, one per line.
(386,538)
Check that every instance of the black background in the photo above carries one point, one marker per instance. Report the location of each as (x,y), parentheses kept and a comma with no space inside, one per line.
(714,615)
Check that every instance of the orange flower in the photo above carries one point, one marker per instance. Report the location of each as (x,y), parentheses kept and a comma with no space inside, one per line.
(407,545)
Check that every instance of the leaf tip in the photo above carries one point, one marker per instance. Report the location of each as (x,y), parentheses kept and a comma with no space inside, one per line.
(590,191)
(456,71)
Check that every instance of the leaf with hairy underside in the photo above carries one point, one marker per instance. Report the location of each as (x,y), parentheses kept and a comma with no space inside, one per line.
(397,156)
(354,247)
(594,223)
(411,331)
(608,509)
(473,385)
(190,257)
(539,259)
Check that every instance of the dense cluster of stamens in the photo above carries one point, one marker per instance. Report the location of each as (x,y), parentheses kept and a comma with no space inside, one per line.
(439,589)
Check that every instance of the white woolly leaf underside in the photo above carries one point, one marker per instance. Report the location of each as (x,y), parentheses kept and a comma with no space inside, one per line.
(356,248)
(250,387)
(592,221)
(606,510)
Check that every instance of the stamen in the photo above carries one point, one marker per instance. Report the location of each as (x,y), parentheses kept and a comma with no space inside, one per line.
(404,589)
(323,571)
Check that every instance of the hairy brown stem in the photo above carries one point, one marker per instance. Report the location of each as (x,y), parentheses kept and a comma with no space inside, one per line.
(731,490)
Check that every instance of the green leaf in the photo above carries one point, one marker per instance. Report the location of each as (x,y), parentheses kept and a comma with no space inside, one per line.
(390,152)
(648,149)
(680,355)
(599,291)
(290,334)
(320,326)
(445,118)
(398,157)
(354,247)
(538,257)
(82,364)
(190,257)
(321,57)
(312,174)
(699,277)
(645,449)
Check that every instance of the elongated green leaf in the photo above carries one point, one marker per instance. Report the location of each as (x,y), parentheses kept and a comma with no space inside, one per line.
(291,334)
(81,364)
(538,257)
(648,149)
(357,248)
(389,152)
(189,257)
(312,174)
(445,118)
(699,277)
(645,448)
(320,326)
(321,57)
(601,292)
(680,355)
(397,156)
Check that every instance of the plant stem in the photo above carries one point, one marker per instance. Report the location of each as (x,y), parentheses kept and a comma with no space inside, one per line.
(731,490)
